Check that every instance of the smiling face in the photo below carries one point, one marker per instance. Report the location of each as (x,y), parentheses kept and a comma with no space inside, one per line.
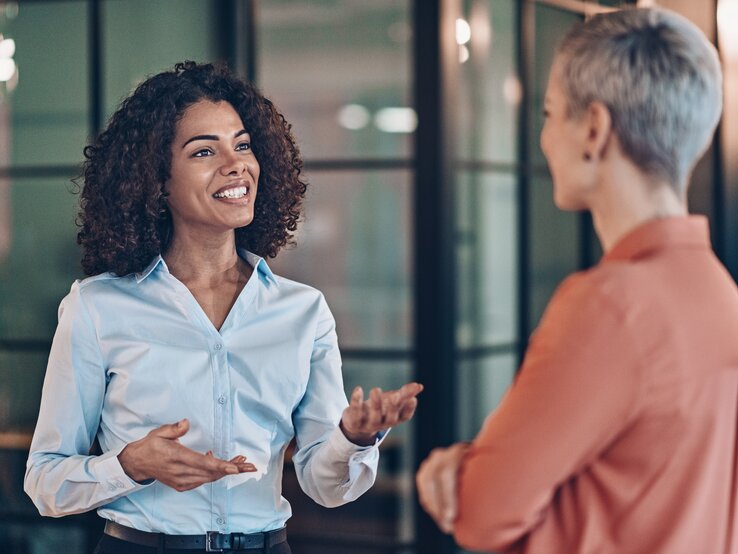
(214,173)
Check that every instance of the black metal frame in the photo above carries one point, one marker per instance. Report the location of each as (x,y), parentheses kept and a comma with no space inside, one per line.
(435,292)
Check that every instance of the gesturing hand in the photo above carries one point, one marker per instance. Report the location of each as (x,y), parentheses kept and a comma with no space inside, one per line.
(363,419)
(159,455)
(436,481)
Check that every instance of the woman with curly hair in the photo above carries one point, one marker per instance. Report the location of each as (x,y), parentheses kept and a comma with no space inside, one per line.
(189,362)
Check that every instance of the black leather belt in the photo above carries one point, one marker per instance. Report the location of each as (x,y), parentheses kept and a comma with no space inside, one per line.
(212,541)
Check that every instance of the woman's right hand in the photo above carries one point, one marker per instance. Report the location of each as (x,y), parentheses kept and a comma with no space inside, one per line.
(159,455)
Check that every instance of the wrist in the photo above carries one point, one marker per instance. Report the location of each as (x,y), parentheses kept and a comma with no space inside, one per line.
(126,459)
(359,439)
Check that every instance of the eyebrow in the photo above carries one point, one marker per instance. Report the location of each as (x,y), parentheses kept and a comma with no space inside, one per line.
(211,137)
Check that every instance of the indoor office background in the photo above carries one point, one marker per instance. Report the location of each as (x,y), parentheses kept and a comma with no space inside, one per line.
(429,223)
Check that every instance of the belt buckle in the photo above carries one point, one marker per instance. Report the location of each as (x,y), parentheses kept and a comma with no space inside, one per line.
(211,538)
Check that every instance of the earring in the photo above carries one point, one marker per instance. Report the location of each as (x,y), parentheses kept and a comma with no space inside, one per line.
(587,157)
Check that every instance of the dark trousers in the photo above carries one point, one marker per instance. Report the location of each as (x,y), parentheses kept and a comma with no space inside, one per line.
(111,545)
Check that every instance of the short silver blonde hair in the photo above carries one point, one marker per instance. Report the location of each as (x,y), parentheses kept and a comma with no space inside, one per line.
(659,77)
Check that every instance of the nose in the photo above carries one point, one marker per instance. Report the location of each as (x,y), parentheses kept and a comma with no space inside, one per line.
(233,164)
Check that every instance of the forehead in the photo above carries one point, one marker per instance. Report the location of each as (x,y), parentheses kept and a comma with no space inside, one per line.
(209,117)
(554,91)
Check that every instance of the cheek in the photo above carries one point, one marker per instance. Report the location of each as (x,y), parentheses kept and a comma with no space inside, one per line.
(255,169)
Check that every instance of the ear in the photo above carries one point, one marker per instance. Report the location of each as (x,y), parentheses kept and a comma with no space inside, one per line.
(599,129)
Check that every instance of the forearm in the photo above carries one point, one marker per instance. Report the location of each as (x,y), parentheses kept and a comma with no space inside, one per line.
(62,485)
(336,471)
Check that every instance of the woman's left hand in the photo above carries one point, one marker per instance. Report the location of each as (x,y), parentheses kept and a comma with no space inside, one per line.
(363,419)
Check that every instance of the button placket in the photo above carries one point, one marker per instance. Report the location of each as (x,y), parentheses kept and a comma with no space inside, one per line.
(222,431)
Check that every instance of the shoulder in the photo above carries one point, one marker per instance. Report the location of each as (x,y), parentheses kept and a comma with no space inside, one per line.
(90,290)
(612,287)
(304,294)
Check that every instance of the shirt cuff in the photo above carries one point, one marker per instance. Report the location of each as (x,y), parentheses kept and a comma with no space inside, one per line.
(109,473)
(345,448)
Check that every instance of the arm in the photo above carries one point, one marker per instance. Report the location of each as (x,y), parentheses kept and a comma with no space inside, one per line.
(330,469)
(577,389)
(61,477)
(336,464)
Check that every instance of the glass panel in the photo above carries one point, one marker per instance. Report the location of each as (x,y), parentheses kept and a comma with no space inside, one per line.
(555,239)
(487,259)
(489,88)
(21,379)
(45,118)
(482,382)
(42,258)
(552,24)
(354,246)
(384,513)
(334,67)
(154,36)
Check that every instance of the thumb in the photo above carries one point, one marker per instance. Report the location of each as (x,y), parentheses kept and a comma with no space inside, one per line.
(172,431)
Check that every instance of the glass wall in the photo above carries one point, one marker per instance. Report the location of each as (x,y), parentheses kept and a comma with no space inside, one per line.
(342,72)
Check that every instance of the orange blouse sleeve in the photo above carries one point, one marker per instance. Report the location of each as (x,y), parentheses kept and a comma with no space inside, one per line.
(577,389)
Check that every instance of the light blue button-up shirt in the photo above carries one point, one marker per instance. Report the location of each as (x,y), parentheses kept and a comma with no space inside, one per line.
(133,353)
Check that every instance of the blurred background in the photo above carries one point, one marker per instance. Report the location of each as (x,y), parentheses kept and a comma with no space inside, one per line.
(429,223)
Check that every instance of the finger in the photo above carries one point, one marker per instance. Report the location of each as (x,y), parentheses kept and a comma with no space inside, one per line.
(387,409)
(446,484)
(246,467)
(374,412)
(171,431)
(210,464)
(357,396)
(392,413)
(409,390)
(352,416)
(425,483)
(407,410)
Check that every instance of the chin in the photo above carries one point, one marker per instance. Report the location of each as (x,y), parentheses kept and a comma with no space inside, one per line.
(569,204)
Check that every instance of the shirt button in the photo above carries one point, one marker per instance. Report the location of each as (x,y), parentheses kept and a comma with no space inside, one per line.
(220,521)
(221,400)
(218,346)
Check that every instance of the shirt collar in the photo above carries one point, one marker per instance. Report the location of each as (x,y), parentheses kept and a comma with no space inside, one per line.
(657,234)
(257,262)
(140,276)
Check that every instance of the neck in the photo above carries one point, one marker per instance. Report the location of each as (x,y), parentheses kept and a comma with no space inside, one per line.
(627,200)
(196,258)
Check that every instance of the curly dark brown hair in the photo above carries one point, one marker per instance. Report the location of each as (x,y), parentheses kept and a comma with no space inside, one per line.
(124,221)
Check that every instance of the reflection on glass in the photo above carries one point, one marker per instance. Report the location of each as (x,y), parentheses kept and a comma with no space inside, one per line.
(43,258)
(482,383)
(45,118)
(487,258)
(489,94)
(317,57)
(154,36)
(385,511)
(354,246)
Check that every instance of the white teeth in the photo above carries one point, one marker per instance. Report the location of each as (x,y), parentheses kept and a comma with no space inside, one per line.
(235,192)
